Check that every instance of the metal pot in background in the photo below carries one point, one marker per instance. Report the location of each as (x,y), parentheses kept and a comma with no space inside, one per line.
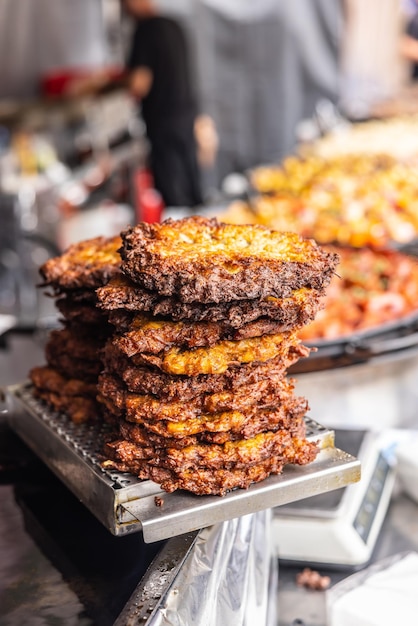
(378,393)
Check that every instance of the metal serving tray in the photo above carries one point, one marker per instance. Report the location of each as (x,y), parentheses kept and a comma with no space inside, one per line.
(125,504)
(396,338)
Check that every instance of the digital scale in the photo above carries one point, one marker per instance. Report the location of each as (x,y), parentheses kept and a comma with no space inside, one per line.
(339,528)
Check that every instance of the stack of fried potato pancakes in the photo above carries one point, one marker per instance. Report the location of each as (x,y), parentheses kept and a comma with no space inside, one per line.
(68,382)
(206,318)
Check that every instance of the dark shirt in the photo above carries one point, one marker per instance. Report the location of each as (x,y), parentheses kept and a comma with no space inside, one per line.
(412,31)
(160,45)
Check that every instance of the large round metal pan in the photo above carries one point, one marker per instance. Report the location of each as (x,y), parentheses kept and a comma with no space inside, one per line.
(386,339)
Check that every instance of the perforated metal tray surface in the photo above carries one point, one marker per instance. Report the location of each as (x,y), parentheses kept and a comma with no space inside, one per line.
(125,504)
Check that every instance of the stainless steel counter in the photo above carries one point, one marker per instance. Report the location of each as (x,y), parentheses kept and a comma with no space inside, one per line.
(399,533)
(59,565)
(47,576)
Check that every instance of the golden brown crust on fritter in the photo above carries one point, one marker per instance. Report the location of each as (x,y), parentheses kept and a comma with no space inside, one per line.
(77,342)
(235,424)
(140,436)
(203,481)
(148,334)
(79,409)
(262,394)
(290,418)
(299,308)
(71,367)
(202,260)
(218,482)
(293,422)
(169,387)
(87,264)
(48,379)
(81,313)
(230,455)
(200,481)
(128,451)
(80,296)
(220,357)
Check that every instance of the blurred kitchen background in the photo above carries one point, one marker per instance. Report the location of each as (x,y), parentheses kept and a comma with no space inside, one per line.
(306,120)
(270,77)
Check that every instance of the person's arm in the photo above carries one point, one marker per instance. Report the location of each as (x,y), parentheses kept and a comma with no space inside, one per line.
(409,47)
(409,38)
(140,82)
(207,140)
(140,62)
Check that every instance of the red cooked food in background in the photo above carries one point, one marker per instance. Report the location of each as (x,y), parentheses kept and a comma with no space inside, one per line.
(370,288)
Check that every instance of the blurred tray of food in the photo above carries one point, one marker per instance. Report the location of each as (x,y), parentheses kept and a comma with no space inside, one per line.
(395,133)
(355,200)
(370,310)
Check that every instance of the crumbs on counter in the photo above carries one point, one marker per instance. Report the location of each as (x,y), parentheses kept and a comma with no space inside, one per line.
(312,579)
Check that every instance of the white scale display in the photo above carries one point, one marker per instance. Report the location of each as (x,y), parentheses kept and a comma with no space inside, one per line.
(339,528)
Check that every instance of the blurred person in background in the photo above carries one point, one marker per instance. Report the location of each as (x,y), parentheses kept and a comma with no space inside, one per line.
(409,39)
(263,66)
(40,37)
(372,68)
(160,79)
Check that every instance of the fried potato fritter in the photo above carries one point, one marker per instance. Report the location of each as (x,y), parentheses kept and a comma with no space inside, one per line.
(231,455)
(262,394)
(147,334)
(137,434)
(201,480)
(202,260)
(71,367)
(289,417)
(168,387)
(87,264)
(48,379)
(247,423)
(81,313)
(79,343)
(79,409)
(218,358)
(299,308)
(192,378)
